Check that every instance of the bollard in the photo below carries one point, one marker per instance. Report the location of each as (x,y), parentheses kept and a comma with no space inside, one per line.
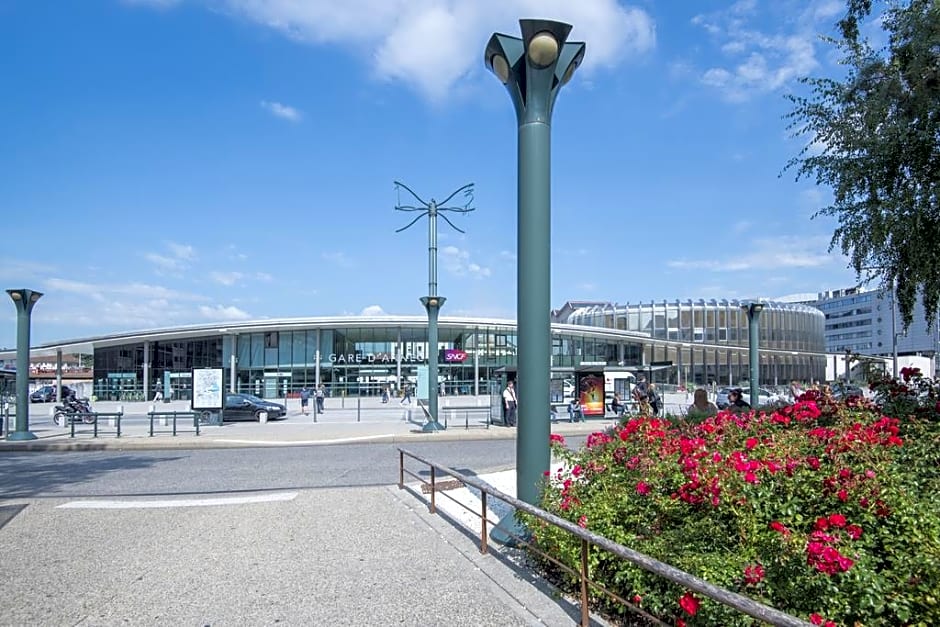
(263,417)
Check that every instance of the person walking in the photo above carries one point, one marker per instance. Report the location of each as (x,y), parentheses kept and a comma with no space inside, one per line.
(406,394)
(158,393)
(641,396)
(304,399)
(321,394)
(384,395)
(616,405)
(655,400)
(510,403)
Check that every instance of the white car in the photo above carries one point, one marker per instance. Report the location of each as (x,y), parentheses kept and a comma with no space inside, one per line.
(764,396)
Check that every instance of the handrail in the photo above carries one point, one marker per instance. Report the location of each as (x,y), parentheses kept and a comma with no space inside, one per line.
(731,599)
(467,411)
(72,416)
(166,414)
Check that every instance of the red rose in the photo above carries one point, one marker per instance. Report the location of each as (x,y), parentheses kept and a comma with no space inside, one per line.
(689,603)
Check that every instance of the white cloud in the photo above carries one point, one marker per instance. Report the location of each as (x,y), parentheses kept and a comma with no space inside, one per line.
(177,259)
(21,269)
(105,290)
(282,111)
(432,45)
(761,62)
(767,254)
(222,313)
(373,310)
(182,251)
(226,278)
(116,305)
(457,262)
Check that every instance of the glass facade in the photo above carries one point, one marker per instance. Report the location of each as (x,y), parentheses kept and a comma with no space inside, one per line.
(700,342)
(346,360)
(677,343)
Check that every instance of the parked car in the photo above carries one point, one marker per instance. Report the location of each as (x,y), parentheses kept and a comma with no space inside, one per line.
(46,394)
(845,391)
(250,407)
(764,397)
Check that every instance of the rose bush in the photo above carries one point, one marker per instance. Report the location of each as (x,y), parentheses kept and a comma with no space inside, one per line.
(816,508)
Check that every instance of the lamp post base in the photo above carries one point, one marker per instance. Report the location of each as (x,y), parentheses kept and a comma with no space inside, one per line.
(431,426)
(20,436)
(509,531)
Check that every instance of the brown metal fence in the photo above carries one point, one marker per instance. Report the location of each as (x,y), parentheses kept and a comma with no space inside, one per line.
(588,540)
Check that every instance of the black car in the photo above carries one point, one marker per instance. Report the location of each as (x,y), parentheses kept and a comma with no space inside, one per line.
(249,407)
(46,394)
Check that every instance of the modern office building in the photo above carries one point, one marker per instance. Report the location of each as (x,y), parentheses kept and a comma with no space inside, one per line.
(867,322)
(704,341)
(676,343)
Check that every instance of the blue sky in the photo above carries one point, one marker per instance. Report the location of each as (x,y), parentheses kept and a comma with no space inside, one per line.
(167,162)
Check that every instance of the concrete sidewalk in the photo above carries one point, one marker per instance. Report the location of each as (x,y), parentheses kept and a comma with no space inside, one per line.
(363,556)
(337,425)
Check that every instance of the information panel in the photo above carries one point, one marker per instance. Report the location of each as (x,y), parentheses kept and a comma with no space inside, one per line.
(207,388)
(591,393)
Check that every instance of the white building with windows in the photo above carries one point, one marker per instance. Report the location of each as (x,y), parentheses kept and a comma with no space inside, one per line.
(867,322)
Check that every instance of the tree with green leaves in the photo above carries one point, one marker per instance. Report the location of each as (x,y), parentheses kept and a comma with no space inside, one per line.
(874,139)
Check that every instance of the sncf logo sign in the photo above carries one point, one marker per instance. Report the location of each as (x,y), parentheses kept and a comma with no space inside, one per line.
(454,356)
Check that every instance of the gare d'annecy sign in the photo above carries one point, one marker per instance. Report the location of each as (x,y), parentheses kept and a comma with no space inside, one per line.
(450,356)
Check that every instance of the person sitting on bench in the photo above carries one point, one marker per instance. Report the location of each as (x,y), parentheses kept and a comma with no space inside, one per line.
(574,411)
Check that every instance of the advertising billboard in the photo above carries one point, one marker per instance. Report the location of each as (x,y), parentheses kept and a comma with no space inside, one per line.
(591,393)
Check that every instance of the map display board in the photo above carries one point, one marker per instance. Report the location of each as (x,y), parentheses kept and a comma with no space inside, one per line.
(207,388)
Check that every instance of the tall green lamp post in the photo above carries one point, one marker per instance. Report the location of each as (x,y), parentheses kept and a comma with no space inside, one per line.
(24,300)
(753,315)
(432,302)
(533,69)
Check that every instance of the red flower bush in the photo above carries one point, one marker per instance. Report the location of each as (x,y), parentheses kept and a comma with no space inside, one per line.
(816,508)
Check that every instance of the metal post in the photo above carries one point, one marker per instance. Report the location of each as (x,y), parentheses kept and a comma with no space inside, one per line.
(58,375)
(432,302)
(533,69)
(585,590)
(233,365)
(476,365)
(894,335)
(753,316)
(24,300)
(145,367)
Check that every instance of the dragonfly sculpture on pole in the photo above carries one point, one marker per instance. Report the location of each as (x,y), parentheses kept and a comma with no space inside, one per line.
(433,302)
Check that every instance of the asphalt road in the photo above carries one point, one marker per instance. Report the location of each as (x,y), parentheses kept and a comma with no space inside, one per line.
(214,471)
(291,535)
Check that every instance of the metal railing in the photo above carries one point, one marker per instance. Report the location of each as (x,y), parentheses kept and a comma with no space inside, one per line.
(481,416)
(78,417)
(730,599)
(194,415)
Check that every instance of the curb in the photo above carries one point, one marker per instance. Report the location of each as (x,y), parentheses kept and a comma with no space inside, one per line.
(189,441)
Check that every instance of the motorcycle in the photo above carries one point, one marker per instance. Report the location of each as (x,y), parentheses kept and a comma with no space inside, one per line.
(72,410)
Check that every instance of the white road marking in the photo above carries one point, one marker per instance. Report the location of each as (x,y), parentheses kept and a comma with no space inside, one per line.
(306,442)
(210,502)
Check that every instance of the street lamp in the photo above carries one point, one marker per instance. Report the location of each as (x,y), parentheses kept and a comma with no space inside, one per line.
(753,315)
(24,300)
(533,69)
(432,302)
